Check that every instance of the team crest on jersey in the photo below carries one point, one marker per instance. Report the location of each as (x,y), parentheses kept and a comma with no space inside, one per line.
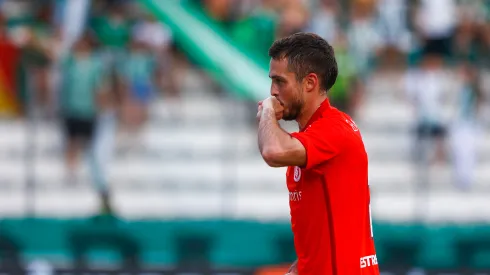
(297,173)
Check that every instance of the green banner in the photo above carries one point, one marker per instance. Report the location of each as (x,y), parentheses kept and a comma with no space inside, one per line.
(212,49)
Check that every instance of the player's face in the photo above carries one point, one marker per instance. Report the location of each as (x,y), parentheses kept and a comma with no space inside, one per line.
(286,88)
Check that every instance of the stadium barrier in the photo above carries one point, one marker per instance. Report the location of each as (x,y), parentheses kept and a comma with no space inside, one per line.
(46,270)
(211,243)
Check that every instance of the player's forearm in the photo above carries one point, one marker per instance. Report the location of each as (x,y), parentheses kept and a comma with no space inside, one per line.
(271,138)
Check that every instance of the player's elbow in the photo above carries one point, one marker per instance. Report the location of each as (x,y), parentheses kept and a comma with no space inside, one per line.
(272,156)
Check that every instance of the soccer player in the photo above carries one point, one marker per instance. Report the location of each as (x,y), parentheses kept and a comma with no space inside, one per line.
(327,173)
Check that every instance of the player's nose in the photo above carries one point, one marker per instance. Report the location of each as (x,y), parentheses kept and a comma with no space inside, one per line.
(274,92)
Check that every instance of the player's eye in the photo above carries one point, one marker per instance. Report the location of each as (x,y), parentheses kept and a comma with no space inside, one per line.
(279,81)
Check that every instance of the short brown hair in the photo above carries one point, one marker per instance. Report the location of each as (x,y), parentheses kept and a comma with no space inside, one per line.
(307,53)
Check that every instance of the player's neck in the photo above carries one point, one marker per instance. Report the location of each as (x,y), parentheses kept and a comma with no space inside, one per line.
(308,111)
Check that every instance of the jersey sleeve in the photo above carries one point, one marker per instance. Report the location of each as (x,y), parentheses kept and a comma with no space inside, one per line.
(323,140)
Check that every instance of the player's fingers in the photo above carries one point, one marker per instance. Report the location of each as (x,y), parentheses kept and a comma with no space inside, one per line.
(277,101)
(259,114)
(279,115)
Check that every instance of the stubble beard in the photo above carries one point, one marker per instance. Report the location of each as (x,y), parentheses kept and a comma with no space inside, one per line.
(294,110)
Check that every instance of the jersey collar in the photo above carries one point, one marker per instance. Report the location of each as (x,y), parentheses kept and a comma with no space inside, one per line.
(318,113)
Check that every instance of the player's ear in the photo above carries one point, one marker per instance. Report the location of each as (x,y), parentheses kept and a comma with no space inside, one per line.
(311,81)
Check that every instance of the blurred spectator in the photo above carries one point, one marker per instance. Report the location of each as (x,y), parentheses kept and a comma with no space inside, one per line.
(112,28)
(219,11)
(392,24)
(325,21)
(474,10)
(33,71)
(344,94)
(55,52)
(363,36)
(464,47)
(395,38)
(158,38)
(82,84)
(427,88)
(138,74)
(16,12)
(469,42)
(262,19)
(294,18)
(436,21)
(464,131)
(153,33)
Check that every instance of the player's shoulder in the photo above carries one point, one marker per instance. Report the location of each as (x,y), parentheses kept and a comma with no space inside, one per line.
(337,120)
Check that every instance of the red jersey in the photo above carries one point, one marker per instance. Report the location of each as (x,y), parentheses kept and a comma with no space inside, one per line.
(329,198)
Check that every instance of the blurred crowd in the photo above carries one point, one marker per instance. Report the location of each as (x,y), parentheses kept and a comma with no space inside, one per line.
(368,35)
(92,66)
(435,54)
(98,64)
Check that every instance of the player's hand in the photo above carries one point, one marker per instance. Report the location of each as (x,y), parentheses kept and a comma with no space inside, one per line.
(274,104)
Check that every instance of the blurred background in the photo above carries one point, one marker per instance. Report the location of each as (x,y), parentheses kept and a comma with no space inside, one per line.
(128,132)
